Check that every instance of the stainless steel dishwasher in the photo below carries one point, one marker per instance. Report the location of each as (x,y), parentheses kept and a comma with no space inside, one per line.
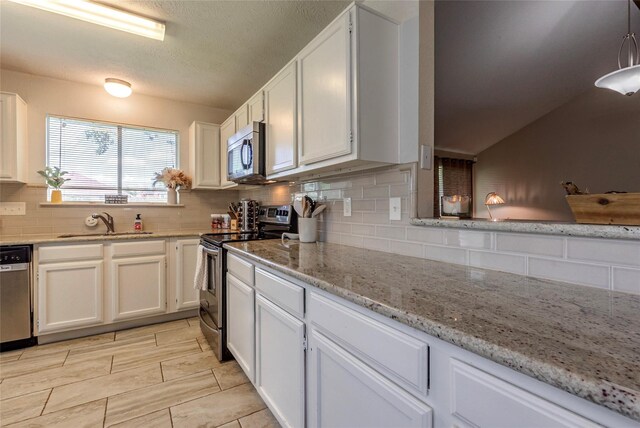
(16,330)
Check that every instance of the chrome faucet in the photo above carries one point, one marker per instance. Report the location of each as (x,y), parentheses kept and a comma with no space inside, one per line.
(107,219)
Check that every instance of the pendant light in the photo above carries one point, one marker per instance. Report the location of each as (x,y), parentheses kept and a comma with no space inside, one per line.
(625,80)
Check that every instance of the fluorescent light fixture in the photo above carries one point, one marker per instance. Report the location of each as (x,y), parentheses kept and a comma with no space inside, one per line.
(102,15)
(117,88)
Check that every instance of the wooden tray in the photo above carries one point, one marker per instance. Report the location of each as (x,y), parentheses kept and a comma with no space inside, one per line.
(606,208)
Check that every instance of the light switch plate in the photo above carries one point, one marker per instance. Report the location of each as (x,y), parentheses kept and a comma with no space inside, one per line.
(395,209)
(425,157)
(346,203)
(13,208)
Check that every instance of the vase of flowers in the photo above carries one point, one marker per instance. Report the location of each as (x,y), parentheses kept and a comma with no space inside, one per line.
(54,178)
(173,179)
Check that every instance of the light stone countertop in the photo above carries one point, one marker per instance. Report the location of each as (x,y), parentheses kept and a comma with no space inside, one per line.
(583,340)
(540,227)
(55,238)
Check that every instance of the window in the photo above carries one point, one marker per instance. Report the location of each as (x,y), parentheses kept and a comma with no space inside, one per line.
(110,159)
(452,177)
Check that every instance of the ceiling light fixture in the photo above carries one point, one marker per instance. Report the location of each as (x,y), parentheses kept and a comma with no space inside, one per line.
(102,15)
(117,88)
(625,80)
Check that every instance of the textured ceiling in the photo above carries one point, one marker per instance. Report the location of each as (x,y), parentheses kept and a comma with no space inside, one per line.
(216,53)
(500,65)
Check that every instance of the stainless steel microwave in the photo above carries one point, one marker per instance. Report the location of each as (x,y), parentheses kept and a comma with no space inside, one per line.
(246,155)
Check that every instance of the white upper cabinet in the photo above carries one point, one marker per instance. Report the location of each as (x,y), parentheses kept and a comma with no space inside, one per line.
(280,111)
(227,129)
(256,107)
(242,117)
(324,94)
(204,155)
(13,138)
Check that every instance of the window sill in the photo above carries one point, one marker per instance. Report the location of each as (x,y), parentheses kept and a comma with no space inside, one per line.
(102,204)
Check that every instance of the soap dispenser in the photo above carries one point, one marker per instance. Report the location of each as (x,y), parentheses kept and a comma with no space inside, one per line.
(137,224)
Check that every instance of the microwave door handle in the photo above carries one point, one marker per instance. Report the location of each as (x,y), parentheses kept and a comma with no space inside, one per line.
(250,158)
(244,165)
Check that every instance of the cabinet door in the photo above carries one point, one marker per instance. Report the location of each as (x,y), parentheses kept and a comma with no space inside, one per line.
(227,129)
(280,362)
(366,398)
(280,119)
(204,155)
(186,256)
(70,295)
(13,138)
(324,95)
(241,324)
(138,287)
(242,117)
(256,107)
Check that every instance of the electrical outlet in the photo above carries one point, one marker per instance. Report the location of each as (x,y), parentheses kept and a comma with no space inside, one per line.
(425,157)
(395,209)
(13,208)
(346,203)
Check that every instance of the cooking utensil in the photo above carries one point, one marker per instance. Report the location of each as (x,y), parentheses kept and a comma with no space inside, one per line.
(297,205)
(319,209)
(312,205)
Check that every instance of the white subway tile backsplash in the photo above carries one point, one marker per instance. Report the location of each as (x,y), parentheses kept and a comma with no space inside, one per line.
(425,234)
(603,250)
(530,244)
(595,262)
(375,192)
(497,261)
(391,232)
(626,280)
(375,244)
(363,229)
(446,254)
(580,273)
(406,248)
(467,239)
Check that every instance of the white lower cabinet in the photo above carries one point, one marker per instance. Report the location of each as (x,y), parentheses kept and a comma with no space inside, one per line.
(241,324)
(280,362)
(345,392)
(70,295)
(186,297)
(138,287)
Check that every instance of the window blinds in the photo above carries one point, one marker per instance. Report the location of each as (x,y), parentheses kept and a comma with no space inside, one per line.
(105,158)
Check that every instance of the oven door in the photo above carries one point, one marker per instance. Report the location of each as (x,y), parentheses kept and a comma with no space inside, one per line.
(211,299)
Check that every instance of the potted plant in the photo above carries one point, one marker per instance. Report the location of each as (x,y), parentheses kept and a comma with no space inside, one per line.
(173,179)
(54,178)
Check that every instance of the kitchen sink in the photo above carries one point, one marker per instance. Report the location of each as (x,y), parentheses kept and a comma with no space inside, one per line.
(82,235)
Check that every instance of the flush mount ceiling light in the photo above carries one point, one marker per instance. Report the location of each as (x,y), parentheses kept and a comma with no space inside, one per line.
(117,88)
(102,15)
(625,80)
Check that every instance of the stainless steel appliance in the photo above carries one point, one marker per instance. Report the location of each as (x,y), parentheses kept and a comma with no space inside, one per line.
(273,220)
(15,298)
(248,215)
(246,155)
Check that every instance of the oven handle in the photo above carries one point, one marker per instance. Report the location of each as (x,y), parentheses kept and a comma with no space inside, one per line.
(211,251)
(213,330)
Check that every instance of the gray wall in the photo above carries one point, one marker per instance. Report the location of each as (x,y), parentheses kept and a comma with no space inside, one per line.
(593,140)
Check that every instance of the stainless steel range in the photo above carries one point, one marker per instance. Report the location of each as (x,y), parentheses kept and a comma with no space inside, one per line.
(273,221)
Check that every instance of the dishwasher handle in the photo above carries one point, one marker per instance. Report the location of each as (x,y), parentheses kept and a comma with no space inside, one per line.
(14,268)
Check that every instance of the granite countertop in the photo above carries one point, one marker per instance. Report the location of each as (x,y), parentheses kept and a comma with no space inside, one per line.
(55,238)
(583,340)
(540,227)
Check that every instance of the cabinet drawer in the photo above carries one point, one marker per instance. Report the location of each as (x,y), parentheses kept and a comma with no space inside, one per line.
(476,395)
(398,356)
(138,248)
(69,252)
(240,269)
(285,294)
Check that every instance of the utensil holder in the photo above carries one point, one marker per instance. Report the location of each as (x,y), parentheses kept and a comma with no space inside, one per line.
(308,229)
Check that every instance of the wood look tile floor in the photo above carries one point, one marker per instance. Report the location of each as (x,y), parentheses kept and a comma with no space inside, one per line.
(161,375)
